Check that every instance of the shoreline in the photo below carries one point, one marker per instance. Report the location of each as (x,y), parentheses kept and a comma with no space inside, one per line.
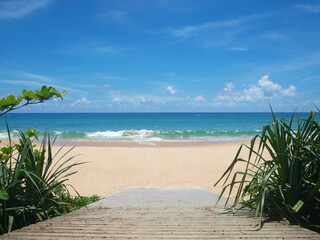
(133,144)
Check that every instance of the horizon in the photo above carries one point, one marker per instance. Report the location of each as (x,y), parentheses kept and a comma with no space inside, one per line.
(17,112)
(164,56)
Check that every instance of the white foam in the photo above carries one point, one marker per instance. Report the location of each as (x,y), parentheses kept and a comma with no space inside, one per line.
(153,139)
(106,134)
(3,135)
(136,135)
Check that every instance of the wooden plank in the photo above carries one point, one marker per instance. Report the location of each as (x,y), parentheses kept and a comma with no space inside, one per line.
(158,223)
(158,220)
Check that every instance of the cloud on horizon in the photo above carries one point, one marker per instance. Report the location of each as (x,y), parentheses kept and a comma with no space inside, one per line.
(137,100)
(81,102)
(199,99)
(264,90)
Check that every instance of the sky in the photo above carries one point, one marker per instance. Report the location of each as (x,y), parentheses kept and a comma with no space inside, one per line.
(163,55)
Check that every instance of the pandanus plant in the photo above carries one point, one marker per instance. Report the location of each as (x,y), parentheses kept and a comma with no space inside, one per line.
(32,180)
(281,177)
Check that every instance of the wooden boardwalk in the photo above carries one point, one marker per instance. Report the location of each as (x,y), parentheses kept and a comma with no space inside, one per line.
(157,221)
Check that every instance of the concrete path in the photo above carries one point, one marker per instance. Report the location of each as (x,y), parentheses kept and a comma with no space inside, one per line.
(158,214)
(165,197)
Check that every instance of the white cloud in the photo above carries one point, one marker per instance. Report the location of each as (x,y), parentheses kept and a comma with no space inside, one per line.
(309,7)
(199,99)
(137,100)
(192,30)
(116,99)
(110,77)
(313,78)
(263,90)
(118,16)
(115,92)
(20,8)
(171,74)
(36,77)
(229,87)
(237,49)
(28,83)
(82,101)
(171,90)
(21,82)
(106,49)
(292,64)
(89,48)
(268,87)
(142,99)
(289,92)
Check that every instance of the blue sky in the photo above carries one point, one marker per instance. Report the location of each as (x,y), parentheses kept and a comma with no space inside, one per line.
(164,55)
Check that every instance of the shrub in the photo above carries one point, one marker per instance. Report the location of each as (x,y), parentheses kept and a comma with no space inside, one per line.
(32,182)
(285,182)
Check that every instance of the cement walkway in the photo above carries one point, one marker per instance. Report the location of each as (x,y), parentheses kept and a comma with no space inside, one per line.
(158,214)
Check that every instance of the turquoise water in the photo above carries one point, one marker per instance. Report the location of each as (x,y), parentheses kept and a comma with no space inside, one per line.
(142,126)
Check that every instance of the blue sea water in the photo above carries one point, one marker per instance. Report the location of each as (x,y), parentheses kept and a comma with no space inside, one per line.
(142,126)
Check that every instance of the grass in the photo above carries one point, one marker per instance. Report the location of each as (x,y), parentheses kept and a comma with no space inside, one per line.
(284,185)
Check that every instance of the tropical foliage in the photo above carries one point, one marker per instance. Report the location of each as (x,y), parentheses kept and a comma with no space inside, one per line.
(33,179)
(281,178)
(29,97)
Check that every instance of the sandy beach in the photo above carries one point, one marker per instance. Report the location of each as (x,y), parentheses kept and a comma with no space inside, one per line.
(112,168)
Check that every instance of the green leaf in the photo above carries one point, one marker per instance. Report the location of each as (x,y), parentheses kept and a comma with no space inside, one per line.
(3,194)
(11,100)
(298,205)
(64,93)
(32,133)
(19,100)
(6,150)
(284,180)
(3,104)
(10,224)
(28,95)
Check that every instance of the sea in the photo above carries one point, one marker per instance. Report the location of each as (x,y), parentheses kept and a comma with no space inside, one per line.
(141,127)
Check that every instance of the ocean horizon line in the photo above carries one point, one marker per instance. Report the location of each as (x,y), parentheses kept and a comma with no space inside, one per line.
(286,112)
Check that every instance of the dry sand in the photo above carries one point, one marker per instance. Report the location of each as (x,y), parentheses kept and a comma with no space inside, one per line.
(110,169)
